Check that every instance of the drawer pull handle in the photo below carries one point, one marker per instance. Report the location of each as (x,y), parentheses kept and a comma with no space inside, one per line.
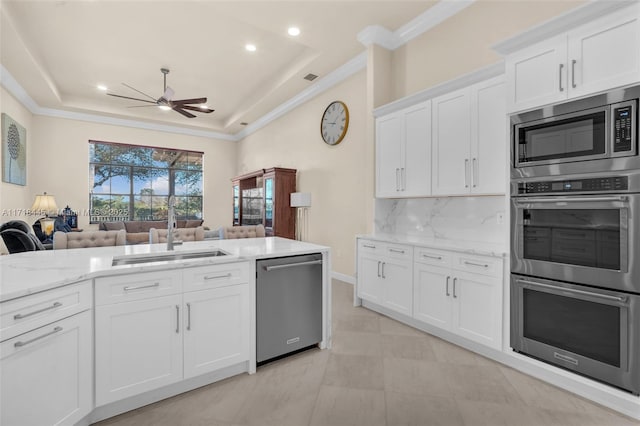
(432,257)
(140,287)
(21,316)
(484,265)
(215,277)
(368,246)
(396,251)
(21,344)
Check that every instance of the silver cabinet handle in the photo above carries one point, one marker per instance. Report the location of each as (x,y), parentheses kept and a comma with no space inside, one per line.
(177,319)
(291,265)
(474,171)
(383,263)
(21,344)
(397,179)
(432,257)
(447,286)
(622,198)
(466,172)
(573,73)
(140,287)
(48,308)
(560,78)
(403,179)
(379,268)
(571,290)
(368,246)
(396,251)
(188,316)
(484,265)
(215,277)
(455,296)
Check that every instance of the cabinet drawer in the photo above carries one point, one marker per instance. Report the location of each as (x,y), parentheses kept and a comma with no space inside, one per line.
(432,257)
(370,247)
(398,251)
(478,265)
(213,276)
(27,313)
(125,288)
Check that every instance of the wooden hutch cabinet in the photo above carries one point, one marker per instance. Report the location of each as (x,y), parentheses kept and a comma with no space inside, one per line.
(262,197)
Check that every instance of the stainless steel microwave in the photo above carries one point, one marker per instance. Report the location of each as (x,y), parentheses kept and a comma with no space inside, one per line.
(595,134)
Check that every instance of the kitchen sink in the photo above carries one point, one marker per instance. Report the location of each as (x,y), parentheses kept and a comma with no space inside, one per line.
(134,260)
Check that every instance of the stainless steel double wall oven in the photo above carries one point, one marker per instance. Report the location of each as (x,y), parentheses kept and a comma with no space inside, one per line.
(575,237)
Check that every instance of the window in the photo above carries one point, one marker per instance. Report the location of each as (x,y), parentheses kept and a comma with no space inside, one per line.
(131,182)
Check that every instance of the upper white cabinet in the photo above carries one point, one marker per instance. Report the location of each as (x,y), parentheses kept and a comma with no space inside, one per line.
(593,57)
(470,140)
(403,153)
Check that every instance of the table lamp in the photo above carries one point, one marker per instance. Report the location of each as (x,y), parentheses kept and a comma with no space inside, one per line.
(301,201)
(44,204)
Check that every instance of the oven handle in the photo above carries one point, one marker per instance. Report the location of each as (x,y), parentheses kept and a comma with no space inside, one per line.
(570,199)
(571,290)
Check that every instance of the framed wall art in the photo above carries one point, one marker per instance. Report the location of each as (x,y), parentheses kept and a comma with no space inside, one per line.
(14,151)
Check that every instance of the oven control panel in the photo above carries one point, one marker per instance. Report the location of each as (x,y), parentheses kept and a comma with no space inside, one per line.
(602,184)
(623,128)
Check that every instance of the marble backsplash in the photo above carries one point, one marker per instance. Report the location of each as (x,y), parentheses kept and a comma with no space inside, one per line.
(451,218)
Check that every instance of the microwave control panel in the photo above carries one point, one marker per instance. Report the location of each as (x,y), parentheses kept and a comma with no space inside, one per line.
(603,184)
(623,128)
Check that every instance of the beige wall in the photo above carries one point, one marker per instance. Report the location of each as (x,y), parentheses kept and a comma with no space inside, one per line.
(334,175)
(462,43)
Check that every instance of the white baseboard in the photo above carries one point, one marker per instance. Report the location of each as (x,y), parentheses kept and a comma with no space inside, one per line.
(343,277)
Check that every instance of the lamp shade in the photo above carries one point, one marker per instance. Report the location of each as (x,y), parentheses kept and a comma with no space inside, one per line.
(44,204)
(300,199)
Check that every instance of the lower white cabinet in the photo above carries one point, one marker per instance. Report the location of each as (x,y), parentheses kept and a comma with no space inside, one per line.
(385,275)
(46,374)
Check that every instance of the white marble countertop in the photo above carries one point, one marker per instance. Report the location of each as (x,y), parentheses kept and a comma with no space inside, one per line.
(480,248)
(31,272)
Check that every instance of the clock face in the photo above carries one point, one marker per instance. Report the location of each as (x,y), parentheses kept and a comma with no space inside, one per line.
(335,122)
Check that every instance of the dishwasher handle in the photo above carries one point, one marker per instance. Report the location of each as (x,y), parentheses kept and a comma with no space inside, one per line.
(292,265)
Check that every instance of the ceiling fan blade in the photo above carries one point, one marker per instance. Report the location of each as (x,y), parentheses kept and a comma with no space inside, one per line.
(197,109)
(142,93)
(142,106)
(190,101)
(133,99)
(168,94)
(183,112)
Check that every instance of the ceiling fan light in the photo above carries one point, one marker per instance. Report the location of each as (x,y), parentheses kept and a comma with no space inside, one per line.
(203,106)
(294,31)
(102,87)
(250,47)
(164,107)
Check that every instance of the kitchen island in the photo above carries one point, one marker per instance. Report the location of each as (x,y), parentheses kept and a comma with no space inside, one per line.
(83,340)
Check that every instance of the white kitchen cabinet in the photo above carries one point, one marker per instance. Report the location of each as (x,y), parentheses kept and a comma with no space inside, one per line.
(470,139)
(403,152)
(216,328)
(593,57)
(46,374)
(385,275)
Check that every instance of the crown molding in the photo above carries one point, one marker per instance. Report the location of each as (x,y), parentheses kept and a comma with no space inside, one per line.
(431,17)
(560,24)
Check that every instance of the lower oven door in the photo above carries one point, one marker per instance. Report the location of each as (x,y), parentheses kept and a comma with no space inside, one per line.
(584,239)
(590,331)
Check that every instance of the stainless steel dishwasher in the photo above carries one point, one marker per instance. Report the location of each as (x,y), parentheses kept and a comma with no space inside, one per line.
(288,304)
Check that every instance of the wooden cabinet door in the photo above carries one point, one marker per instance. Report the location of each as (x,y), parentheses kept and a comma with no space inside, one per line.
(397,285)
(216,329)
(432,295)
(477,308)
(451,143)
(416,171)
(389,152)
(138,347)
(537,75)
(605,53)
(46,375)
(489,137)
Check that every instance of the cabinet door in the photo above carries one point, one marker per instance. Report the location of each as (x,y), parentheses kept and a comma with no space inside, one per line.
(477,308)
(138,347)
(388,155)
(537,75)
(216,324)
(416,171)
(489,136)
(432,295)
(604,53)
(369,287)
(397,285)
(451,143)
(46,374)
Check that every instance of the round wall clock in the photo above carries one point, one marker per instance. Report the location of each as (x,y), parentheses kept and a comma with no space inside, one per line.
(334,123)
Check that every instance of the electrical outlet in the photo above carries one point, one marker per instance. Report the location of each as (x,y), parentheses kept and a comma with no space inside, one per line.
(500,218)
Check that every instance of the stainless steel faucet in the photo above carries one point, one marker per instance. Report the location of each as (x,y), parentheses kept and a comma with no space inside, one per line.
(171,224)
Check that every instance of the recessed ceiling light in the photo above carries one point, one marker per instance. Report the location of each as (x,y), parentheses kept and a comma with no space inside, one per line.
(250,47)
(164,107)
(102,87)
(293,31)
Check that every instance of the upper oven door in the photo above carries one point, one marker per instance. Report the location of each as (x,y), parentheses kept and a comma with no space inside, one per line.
(583,135)
(581,239)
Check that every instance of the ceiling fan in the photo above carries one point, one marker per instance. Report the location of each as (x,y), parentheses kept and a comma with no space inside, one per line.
(166,102)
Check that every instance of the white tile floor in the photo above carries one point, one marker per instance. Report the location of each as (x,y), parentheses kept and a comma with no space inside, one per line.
(379,372)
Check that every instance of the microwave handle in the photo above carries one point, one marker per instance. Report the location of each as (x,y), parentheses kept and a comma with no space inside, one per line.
(569,199)
(571,290)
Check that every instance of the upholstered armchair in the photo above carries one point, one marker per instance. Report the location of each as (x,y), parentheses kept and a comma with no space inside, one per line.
(184,234)
(69,240)
(244,231)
